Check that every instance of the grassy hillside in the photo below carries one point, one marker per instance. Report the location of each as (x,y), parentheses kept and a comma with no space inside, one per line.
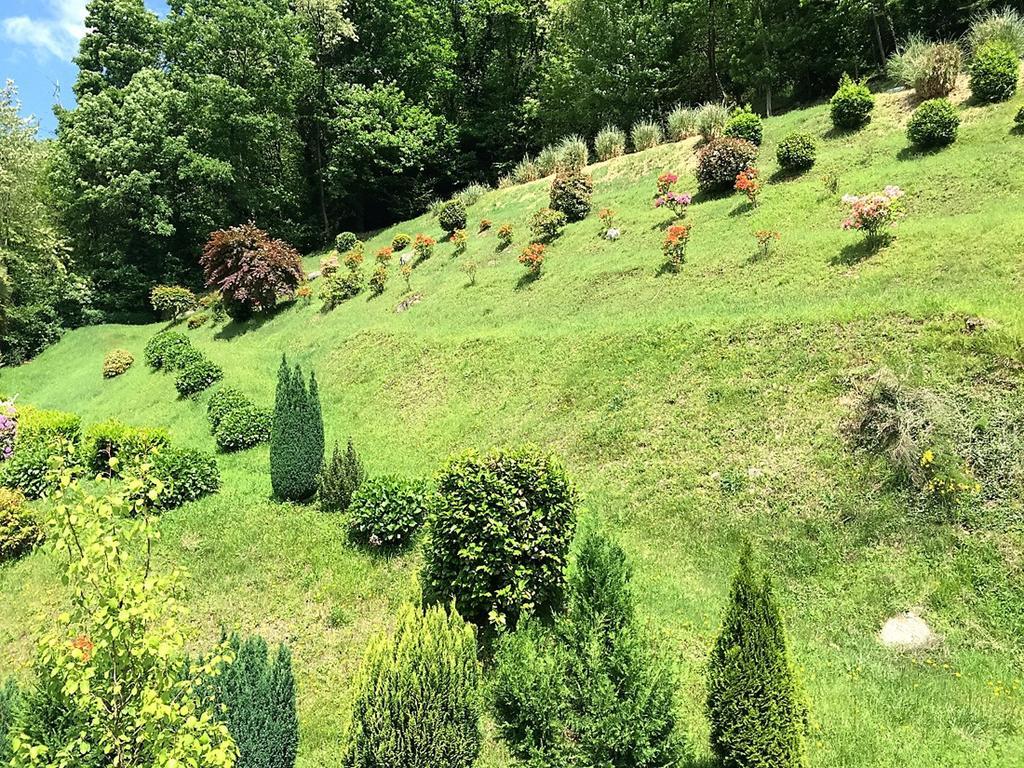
(694,410)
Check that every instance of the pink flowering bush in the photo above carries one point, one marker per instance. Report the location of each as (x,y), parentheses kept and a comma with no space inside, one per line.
(873,214)
(667,197)
(8,428)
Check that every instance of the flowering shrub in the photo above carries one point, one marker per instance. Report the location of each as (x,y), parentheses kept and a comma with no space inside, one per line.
(353,258)
(547,224)
(400,242)
(250,269)
(505,235)
(172,301)
(378,280)
(721,161)
(116,362)
(423,247)
(677,202)
(570,194)
(8,428)
(485,224)
(797,152)
(385,254)
(748,182)
(532,258)
(946,480)
(407,274)
(745,124)
(607,217)
(303,293)
(873,214)
(851,105)
(674,247)
(934,124)
(460,240)
(994,72)
(766,238)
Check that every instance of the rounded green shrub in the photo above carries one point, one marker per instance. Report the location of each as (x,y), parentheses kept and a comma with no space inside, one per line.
(19,531)
(797,152)
(547,224)
(743,123)
(197,374)
(198,320)
(994,72)
(35,466)
(933,124)
(117,362)
(340,287)
(165,349)
(35,423)
(851,105)
(345,241)
(243,428)
(400,242)
(222,402)
(499,535)
(570,194)
(296,436)
(721,161)
(115,440)
(171,477)
(452,216)
(386,512)
(172,301)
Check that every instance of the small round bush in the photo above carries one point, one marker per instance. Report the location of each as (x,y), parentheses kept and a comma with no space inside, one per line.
(452,216)
(196,375)
(198,320)
(165,349)
(340,287)
(400,242)
(933,124)
(19,531)
(547,224)
(184,475)
(345,241)
(646,134)
(386,512)
(116,362)
(243,428)
(797,152)
(721,161)
(222,402)
(745,124)
(172,301)
(851,105)
(610,142)
(994,72)
(570,193)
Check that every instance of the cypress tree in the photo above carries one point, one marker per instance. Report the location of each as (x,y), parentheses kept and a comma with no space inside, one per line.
(758,715)
(296,436)
(341,479)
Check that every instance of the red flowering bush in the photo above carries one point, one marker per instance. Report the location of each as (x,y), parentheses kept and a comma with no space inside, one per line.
(250,269)
(505,235)
(674,247)
(749,183)
(677,202)
(532,258)
(423,247)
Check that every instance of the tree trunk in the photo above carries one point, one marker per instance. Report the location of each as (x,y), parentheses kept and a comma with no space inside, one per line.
(716,81)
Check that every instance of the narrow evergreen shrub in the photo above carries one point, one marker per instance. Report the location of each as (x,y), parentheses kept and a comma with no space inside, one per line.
(19,531)
(646,134)
(499,535)
(117,362)
(758,715)
(222,402)
(743,123)
(682,123)
(340,479)
(386,512)
(570,194)
(296,436)
(165,349)
(591,690)
(797,152)
(933,124)
(851,105)
(243,428)
(994,72)
(452,215)
(417,701)
(197,374)
(610,142)
(721,161)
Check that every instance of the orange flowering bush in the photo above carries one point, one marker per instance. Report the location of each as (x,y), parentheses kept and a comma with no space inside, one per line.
(674,247)
(765,239)
(749,183)
(384,254)
(532,258)
(423,247)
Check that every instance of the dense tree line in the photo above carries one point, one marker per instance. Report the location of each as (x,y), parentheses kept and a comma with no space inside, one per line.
(310,116)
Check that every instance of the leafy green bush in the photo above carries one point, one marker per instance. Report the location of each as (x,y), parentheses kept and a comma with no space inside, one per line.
(341,286)
(400,242)
(646,134)
(573,154)
(345,241)
(340,479)
(610,142)
(994,72)
(172,301)
(743,123)
(591,690)
(10,706)
(165,349)
(933,124)
(851,105)
(296,436)
(797,152)
(417,703)
(19,531)
(115,440)
(452,215)
(547,224)
(116,362)
(499,535)
(222,402)
(169,477)
(1019,119)
(35,466)
(38,423)
(682,123)
(378,280)
(570,194)
(386,512)
(197,374)
(721,161)
(198,320)
(243,428)
(757,712)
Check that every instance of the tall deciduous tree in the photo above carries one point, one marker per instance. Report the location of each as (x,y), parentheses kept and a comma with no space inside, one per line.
(123,39)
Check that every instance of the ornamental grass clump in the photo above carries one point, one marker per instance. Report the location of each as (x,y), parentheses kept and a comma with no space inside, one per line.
(682,123)
(296,436)
(646,134)
(610,143)
(573,154)
(1005,25)
(711,120)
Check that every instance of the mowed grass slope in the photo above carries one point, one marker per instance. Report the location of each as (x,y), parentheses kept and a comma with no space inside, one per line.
(693,410)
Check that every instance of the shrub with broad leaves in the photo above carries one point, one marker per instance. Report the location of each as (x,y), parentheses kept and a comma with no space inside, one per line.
(242,428)
(340,287)
(721,161)
(378,280)
(386,512)
(166,350)
(570,193)
(547,224)
(934,124)
(196,375)
(345,241)
(19,531)
(995,72)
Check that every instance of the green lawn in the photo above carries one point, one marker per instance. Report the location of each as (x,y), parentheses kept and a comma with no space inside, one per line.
(693,410)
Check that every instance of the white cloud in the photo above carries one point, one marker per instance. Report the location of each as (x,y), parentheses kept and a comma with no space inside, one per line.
(56,33)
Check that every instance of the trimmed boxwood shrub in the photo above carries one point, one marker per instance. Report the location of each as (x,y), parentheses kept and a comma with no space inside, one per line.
(386,512)
(721,161)
(570,194)
(400,242)
(933,124)
(345,241)
(184,475)
(116,362)
(222,402)
(452,216)
(547,224)
(243,428)
(114,439)
(165,349)
(797,152)
(745,124)
(19,531)
(851,105)
(196,375)
(296,436)
(994,72)
(499,535)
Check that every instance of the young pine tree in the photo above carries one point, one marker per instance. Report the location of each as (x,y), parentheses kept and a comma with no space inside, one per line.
(296,436)
(341,479)
(417,700)
(758,715)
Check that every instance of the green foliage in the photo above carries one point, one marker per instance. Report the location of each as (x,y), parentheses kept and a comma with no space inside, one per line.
(1005,25)
(400,242)
(222,402)
(933,124)
(591,690)
(994,72)
(10,704)
(417,703)
(499,535)
(452,215)
(797,152)
(36,465)
(340,287)
(116,362)
(571,154)
(35,423)
(172,301)
(743,123)
(472,194)
(610,143)
(646,134)
(165,349)
(547,224)
(113,439)
(930,68)
(19,532)
(386,512)
(169,477)
(851,105)
(378,280)
(242,428)
(296,436)
(711,120)
(345,241)
(198,320)
(340,479)
(682,123)
(525,171)
(1019,119)
(721,161)
(197,374)
(570,194)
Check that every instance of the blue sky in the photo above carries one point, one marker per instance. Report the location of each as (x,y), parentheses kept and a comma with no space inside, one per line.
(38,40)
